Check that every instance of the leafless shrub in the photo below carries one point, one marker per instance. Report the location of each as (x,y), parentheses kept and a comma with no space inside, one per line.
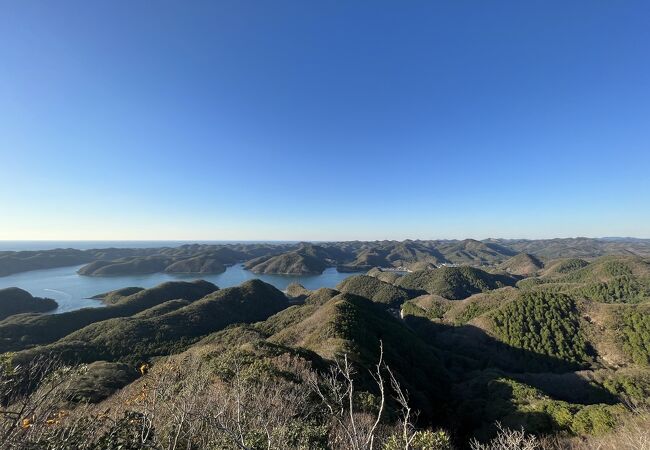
(34,397)
(507,439)
(182,403)
(362,430)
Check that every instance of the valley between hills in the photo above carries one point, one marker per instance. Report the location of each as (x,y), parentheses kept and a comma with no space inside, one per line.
(436,345)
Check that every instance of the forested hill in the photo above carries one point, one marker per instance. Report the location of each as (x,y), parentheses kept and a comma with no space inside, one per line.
(453,353)
(303,258)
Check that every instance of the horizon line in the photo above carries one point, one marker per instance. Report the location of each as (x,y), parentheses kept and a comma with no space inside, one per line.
(329,240)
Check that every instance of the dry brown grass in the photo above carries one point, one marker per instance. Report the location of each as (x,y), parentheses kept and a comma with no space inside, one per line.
(312,332)
(633,435)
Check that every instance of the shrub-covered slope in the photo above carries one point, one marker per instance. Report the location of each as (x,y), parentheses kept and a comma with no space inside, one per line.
(15,262)
(146,335)
(197,264)
(458,312)
(27,330)
(136,265)
(112,297)
(634,329)
(543,323)
(376,290)
(564,266)
(306,259)
(610,279)
(384,275)
(522,264)
(471,251)
(354,325)
(454,283)
(16,301)
(200,264)
(287,263)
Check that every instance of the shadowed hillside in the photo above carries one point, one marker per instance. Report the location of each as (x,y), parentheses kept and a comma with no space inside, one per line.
(376,290)
(17,301)
(522,264)
(354,325)
(453,283)
(164,331)
(610,279)
(27,330)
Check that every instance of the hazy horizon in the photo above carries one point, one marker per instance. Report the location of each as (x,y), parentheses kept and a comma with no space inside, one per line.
(323,122)
(5,242)
(36,245)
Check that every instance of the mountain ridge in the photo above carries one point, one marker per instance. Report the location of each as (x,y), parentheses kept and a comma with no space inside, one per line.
(314,257)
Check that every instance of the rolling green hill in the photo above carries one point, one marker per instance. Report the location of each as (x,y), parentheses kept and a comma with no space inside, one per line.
(458,312)
(308,259)
(473,252)
(634,329)
(287,263)
(610,279)
(522,264)
(15,262)
(198,264)
(384,275)
(135,265)
(354,325)
(27,330)
(543,323)
(376,290)
(16,301)
(580,247)
(148,334)
(564,266)
(112,297)
(454,283)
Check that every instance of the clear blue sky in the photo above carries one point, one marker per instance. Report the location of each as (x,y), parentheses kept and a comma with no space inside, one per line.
(324,119)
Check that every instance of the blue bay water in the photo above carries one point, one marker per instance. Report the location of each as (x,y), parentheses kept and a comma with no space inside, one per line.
(73,291)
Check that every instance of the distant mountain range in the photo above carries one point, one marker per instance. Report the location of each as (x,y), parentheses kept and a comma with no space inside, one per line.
(313,258)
